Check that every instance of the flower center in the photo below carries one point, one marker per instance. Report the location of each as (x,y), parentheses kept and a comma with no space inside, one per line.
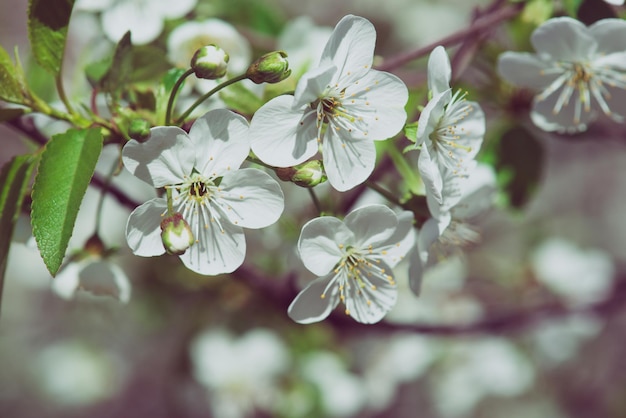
(353,273)
(198,189)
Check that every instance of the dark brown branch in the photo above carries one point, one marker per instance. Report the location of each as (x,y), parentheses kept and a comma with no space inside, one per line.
(483,24)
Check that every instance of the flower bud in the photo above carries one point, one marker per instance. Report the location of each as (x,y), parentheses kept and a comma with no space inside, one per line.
(270,68)
(176,234)
(308,174)
(210,62)
(139,129)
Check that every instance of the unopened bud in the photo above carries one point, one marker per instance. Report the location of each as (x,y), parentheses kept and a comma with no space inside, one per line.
(308,174)
(270,68)
(176,234)
(139,129)
(210,62)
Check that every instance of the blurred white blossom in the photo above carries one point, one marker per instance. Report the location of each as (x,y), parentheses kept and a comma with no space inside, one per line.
(578,71)
(577,275)
(241,373)
(144,18)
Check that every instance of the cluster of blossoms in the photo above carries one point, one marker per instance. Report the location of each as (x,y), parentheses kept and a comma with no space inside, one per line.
(449,135)
(326,130)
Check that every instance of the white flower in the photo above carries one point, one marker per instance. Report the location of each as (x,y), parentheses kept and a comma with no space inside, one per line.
(303,42)
(187,38)
(215,197)
(144,18)
(342,104)
(579,276)
(615,2)
(450,129)
(90,270)
(240,373)
(579,70)
(451,226)
(94,275)
(354,258)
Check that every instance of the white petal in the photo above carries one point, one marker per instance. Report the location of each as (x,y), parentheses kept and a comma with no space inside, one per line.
(439,71)
(220,140)
(65,283)
(143,229)
(347,162)
(172,9)
(350,48)
(370,303)
(478,193)
(101,278)
(319,244)
(220,246)
(251,198)
(431,115)
(164,159)
(610,34)
(125,16)
(525,70)
(614,61)
(416,271)
(309,306)
(617,102)
(377,105)
(431,175)
(429,233)
(564,39)
(371,225)
(281,136)
(402,241)
(542,114)
(312,85)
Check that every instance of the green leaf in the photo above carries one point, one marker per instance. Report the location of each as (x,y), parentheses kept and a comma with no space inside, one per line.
(66,167)
(120,71)
(149,63)
(239,98)
(519,163)
(10,87)
(14,178)
(47,30)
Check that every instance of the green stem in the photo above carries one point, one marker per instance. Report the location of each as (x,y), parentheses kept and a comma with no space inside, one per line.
(209,94)
(315,200)
(170,101)
(259,162)
(62,95)
(170,204)
(383,192)
(406,171)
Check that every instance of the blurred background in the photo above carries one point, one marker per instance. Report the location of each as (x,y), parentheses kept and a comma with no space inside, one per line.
(529,321)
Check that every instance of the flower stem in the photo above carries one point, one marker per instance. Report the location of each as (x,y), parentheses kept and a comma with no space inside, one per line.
(383,192)
(406,171)
(170,101)
(170,205)
(62,95)
(315,200)
(209,94)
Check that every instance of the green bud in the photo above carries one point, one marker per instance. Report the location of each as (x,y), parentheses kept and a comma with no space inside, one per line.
(308,174)
(176,234)
(210,62)
(139,129)
(270,68)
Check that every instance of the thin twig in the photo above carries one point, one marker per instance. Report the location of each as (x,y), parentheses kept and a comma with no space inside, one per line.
(484,23)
